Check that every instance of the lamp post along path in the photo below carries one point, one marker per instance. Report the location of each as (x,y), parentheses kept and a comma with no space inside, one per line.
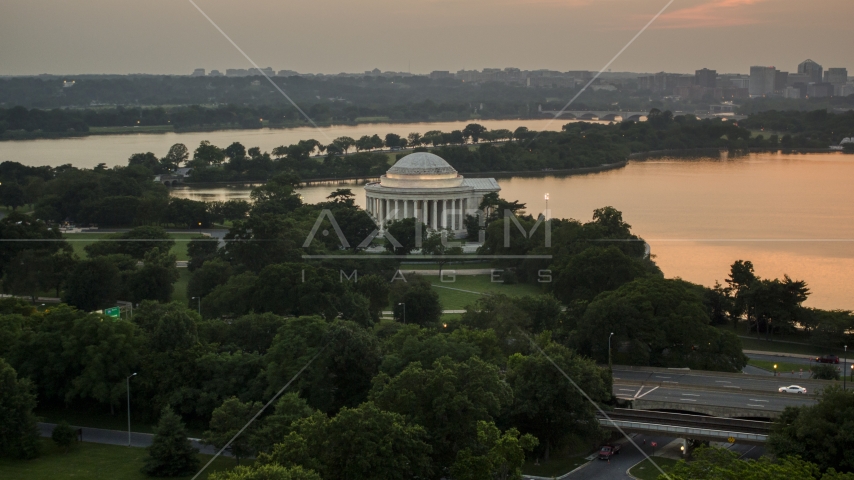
(127,381)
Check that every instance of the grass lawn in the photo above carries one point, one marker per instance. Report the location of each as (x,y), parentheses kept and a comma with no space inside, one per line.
(766,346)
(456,300)
(79,240)
(781,366)
(554,467)
(647,471)
(179,294)
(24,209)
(91,461)
(447,266)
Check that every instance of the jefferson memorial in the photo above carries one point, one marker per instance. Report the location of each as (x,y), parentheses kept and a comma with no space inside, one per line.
(424,186)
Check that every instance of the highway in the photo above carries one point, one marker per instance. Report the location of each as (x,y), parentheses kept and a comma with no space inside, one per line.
(734,399)
(724,382)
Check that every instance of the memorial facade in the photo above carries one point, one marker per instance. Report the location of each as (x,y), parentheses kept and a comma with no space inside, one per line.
(424,186)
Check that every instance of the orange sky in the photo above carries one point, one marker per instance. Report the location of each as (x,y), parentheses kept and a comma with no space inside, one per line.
(331,36)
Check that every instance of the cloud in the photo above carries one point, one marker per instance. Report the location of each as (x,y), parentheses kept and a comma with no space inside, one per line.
(711,13)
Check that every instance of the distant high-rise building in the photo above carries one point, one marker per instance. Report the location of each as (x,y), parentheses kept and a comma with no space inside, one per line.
(836,76)
(706,78)
(781,81)
(792,92)
(740,82)
(287,73)
(215,73)
(812,69)
(199,72)
(820,90)
(660,82)
(762,81)
(437,74)
(685,81)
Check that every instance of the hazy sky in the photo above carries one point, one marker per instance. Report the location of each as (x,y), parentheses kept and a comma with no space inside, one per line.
(331,36)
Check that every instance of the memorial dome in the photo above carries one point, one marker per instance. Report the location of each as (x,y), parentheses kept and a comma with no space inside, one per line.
(422,163)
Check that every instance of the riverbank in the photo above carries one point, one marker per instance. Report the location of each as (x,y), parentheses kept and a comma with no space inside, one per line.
(14,135)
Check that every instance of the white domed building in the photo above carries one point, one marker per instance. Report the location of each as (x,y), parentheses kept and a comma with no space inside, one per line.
(424,186)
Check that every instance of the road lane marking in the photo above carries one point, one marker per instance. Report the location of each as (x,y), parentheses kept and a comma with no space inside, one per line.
(757,400)
(668,381)
(732,386)
(647,393)
(762,406)
(691,394)
(660,376)
(722,381)
(687,399)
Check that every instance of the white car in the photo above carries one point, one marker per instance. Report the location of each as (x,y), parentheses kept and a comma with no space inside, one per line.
(792,389)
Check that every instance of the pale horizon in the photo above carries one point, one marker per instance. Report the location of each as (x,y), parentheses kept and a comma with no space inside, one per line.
(332,36)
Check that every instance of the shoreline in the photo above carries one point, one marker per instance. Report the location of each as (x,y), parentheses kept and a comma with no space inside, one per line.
(640,156)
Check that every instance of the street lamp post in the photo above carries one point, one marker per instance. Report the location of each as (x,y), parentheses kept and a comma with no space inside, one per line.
(775,369)
(199,299)
(844,367)
(127,381)
(404,312)
(609,350)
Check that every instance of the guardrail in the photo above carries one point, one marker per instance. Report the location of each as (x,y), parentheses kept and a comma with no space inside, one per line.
(687,420)
(688,432)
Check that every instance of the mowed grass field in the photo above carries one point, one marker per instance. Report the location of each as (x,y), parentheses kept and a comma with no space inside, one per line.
(466,290)
(78,241)
(91,461)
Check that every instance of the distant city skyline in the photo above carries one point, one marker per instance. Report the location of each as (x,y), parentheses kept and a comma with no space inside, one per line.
(333,36)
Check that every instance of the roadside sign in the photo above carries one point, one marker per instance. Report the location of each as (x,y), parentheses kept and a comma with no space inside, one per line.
(114,312)
(654,444)
(730,440)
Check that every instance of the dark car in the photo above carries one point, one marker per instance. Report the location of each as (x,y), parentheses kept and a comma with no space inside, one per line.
(827,359)
(607,451)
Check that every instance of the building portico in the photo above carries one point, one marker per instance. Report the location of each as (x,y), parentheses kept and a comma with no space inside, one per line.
(425,187)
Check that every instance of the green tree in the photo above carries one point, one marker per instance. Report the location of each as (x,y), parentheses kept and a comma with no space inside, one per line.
(226,421)
(207,155)
(376,289)
(155,278)
(136,242)
(266,472)
(546,405)
(820,432)
(406,231)
(107,352)
(17,226)
(474,131)
(416,300)
(63,435)
(825,372)
(593,271)
(447,399)
(720,463)
(276,426)
(11,195)
(171,454)
(177,155)
(19,437)
(657,322)
(97,284)
(496,456)
(27,273)
(437,244)
(360,443)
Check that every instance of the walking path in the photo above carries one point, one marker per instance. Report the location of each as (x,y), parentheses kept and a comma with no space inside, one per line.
(118,437)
